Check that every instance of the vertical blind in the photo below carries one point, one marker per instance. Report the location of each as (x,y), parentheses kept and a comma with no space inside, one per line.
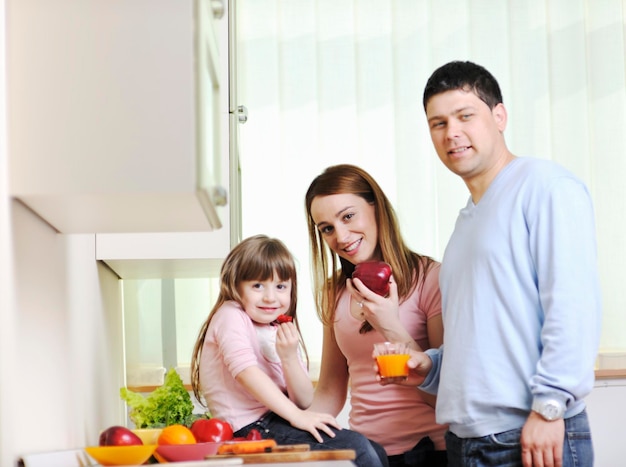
(334,81)
(330,81)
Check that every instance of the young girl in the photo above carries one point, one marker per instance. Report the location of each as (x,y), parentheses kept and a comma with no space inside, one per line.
(249,370)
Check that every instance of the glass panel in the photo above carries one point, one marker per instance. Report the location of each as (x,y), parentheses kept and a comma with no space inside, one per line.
(142,331)
(194,300)
(149,340)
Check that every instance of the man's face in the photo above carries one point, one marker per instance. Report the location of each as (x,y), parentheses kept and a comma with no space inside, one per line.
(466,133)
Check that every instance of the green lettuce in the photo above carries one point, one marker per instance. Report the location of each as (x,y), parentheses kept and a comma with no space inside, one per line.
(169,404)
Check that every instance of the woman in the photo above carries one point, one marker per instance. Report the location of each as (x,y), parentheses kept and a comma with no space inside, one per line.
(350,221)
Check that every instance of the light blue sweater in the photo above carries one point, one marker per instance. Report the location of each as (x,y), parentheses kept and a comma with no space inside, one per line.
(521,302)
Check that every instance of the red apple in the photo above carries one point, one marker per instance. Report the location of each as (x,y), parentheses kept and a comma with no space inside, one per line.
(374,275)
(211,430)
(119,436)
(254,435)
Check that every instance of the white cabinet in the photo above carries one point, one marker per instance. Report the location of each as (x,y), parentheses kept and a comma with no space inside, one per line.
(114,114)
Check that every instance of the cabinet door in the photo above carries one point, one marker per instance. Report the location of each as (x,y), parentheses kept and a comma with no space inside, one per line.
(112,114)
(209,103)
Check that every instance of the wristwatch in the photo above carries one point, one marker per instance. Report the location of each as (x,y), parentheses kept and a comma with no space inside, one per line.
(549,409)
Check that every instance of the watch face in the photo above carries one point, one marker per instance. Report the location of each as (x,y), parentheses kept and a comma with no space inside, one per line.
(551,411)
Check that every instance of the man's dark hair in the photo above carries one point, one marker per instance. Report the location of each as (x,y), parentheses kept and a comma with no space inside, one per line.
(467,76)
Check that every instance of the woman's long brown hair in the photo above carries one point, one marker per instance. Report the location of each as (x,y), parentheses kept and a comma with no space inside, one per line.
(331,271)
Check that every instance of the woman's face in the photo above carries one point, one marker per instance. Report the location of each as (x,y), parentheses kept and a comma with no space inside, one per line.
(348,225)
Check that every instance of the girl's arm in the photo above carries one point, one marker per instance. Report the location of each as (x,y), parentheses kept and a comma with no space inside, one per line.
(332,388)
(299,386)
(263,389)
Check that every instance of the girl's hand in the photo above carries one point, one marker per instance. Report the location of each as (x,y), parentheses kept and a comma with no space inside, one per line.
(287,341)
(314,422)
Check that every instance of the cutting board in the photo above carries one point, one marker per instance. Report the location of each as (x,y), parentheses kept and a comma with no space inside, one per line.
(302,456)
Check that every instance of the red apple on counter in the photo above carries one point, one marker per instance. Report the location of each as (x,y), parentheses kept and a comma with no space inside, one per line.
(254,435)
(211,430)
(119,436)
(374,275)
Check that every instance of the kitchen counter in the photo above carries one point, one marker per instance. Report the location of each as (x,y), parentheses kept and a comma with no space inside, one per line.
(79,458)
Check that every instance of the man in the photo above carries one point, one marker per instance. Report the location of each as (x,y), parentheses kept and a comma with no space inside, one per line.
(520,292)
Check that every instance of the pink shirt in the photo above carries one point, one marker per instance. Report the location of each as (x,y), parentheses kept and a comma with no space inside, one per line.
(233,343)
(394,416)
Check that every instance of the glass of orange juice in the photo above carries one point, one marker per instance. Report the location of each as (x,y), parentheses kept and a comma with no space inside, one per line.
(391,358)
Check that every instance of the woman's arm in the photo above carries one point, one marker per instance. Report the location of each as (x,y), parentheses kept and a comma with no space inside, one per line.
(299,386)
(434,329)
(332,388)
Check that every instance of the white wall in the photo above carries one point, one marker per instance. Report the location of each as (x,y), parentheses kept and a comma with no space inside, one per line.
(61,351)
(607,413)
(62,365)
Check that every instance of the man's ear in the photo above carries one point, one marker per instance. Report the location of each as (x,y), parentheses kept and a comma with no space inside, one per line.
(500,116)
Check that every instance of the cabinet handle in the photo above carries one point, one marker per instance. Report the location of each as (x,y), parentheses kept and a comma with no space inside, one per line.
(242,114)
(220,196)
(218,8)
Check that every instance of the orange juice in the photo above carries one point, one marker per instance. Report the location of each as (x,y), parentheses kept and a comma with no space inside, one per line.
(393,366)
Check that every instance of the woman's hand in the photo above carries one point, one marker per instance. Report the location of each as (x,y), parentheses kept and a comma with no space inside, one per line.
(375,308)
(381,312)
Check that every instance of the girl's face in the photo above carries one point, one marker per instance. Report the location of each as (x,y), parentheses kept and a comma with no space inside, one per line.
(264,301)
(348,225)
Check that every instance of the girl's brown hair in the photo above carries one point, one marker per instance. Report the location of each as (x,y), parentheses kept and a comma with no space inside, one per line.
(256,258)
(331,271)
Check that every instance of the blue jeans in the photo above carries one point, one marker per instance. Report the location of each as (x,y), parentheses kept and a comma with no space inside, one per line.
(423,454)
(504,449)
(271,426)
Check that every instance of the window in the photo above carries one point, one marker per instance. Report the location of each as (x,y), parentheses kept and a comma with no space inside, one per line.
(162,318)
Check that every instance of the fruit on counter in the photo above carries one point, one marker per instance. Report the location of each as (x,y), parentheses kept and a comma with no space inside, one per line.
(176,434)
(119,436)
(254,435)
(374,275)
(169,404)
(212,430)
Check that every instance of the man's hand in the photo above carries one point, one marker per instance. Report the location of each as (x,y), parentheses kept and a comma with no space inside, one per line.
(542,442)
(419,365)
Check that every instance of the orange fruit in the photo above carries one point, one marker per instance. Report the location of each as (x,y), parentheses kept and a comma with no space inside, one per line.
(176,434)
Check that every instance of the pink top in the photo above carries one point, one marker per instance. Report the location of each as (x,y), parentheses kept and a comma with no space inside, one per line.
(394,416)
(233,343)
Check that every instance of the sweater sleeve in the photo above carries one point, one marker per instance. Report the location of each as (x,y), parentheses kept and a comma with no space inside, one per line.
(234,334)
(563,246)
(431,382)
